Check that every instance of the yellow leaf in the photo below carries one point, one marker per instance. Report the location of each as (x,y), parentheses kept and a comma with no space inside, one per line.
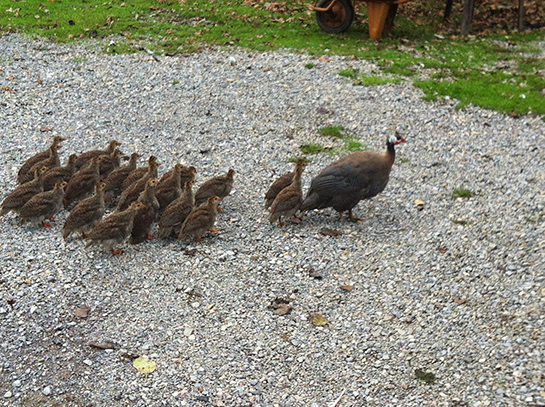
(144,365)
(347,287)
(318,320)
(419,202)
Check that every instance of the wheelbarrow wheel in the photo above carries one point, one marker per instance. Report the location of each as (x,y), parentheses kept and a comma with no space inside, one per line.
(338,19)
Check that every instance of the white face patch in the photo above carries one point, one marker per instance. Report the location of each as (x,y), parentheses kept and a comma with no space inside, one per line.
(392,139)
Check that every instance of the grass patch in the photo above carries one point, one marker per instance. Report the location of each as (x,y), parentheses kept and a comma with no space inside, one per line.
(375,80)
(297,158)
(353,146)
(312,148)
(426,377)
(487,70)
(332,131)
(404,160)
(459,222)
(462,193)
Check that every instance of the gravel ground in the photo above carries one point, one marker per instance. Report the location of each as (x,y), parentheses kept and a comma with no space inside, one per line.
(455,289)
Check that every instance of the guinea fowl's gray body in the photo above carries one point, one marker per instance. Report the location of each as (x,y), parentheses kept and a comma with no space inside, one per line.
(360,175)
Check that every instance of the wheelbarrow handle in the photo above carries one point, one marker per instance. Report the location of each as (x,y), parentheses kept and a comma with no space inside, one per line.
(325,9)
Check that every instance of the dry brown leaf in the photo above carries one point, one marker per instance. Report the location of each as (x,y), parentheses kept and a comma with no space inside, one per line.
(282,309)
(102,345)
(460,301)
(330,232)
(43,129)
(82,312)
(347,287)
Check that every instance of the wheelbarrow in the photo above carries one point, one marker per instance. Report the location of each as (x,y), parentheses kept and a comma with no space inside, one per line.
(335,16)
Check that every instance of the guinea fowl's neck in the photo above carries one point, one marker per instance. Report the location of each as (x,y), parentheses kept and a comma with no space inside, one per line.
(390,152)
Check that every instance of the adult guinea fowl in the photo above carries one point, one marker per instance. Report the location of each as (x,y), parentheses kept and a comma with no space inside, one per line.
(360,175)
(288,201)
(277,186)
(29,163)
(220,186)
(201,219)
(86,213)
(114,229)
(144,218)
(63,173)
(22,194)
(83,158)
(42,206)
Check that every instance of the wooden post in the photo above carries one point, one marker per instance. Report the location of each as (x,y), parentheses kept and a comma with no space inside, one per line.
(521,16)
(467,16)
(448,10)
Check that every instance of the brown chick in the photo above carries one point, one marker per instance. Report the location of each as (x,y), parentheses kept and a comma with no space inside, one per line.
(57,140)
(288,201)
(50,162)
(110,162)
(278,186)
(131,194)
(170,188)
(22,194)
(63,173)
(82,183)
(114,229)
(86,213)
(83,158)
(201,219)
(137,173)
(219,186)
(44,205)
(145,217)
(115,179)
(178,210)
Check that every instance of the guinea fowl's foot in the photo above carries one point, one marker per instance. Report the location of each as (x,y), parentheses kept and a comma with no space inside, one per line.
(198,238)
(214,230)
(116,252)
(280,223)
(84,235)
(150,237)
(353,218)
(46,225)
(220,208)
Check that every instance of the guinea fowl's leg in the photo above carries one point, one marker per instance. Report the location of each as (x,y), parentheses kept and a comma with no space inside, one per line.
(353,218)
(198,238)
(341,216)
(116,252)
(150,237)
(46,225)
(84,236)
(280,223)
(214,230)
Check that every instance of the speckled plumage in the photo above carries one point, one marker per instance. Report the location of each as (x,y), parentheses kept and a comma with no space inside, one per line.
(131,194)
(22,194)
(220,186)
(115,179)
(44,205)
(289,199)
(29,163)
(138,173)
(201,219)
(83,158)
(144,218)
(86,214)
(82,183)
(114,229)
(175,214)
(63,173)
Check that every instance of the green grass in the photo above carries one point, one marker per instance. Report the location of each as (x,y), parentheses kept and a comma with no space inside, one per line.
(332,131)
(312,148)
(462,193)
(485,70)
(404,160)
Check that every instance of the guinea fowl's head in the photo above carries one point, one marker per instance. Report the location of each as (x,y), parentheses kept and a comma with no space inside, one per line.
(395,139)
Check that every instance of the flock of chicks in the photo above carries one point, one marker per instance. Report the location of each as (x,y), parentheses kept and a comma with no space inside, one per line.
(141,198)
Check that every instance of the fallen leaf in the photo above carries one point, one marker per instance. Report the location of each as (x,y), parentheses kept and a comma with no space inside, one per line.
(318,320)
(144,365)
(419,204)
(82,312)
(330,232)
(46,128)
(102,345)
(324,59)
(460,301)
(347,287)
(282,309)
(265,69)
